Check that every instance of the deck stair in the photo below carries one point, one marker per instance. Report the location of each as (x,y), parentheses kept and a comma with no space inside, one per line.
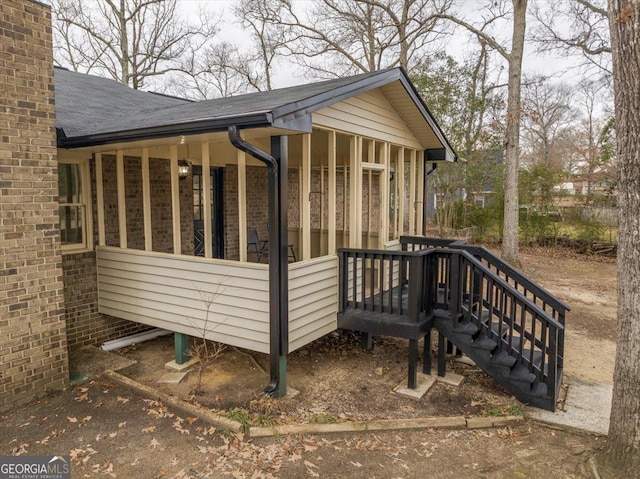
(507,324)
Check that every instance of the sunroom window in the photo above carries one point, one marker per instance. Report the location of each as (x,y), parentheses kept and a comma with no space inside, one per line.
(73,202)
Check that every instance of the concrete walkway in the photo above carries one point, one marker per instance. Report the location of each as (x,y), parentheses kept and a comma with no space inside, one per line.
(587,408)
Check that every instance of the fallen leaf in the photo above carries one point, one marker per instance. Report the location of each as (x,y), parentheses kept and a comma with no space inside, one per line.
(154,443)
(44,441)
(82,397)
(310,471)
(72,419)
(20,450)
(113,434)
(357,464)
(122,424)
(123,400)
(149,429)
(191,420)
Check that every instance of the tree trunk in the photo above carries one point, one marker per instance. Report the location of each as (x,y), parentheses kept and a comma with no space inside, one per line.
(622,455)
(124,45)
(512,156)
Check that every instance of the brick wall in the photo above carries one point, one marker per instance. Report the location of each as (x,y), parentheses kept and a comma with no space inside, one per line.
(257,202)
(33,347)
(84,324)
(160,192)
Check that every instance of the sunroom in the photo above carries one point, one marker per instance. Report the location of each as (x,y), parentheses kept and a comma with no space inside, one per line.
(221,219)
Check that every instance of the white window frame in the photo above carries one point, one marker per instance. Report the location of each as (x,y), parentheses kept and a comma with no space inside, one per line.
(86,211)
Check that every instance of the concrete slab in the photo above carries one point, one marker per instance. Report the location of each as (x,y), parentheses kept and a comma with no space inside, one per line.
(172,378)
(452,379)
(587,408)
(466,360)
(424,383)
(173,366)
(291,393)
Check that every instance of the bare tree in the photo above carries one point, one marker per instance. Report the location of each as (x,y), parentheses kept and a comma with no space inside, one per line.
(622,455)
(575,28)
(592,133)
(131,41)
(218,70)
(547,115)
(513,57)
(269,39)
(334,38)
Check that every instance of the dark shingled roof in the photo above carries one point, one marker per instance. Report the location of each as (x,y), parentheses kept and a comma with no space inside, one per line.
(92,110)
(85,101)
(105,105)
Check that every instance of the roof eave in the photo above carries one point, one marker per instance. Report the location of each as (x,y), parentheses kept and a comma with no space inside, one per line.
(257,120)
(309,105)
(450,153)
(327,98)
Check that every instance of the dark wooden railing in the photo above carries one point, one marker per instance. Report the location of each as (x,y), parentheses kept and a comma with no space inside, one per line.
(519,316)
(372,280)
(504,315)
(529,288)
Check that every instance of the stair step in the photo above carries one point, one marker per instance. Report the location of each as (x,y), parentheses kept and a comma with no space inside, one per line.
(539,389)
(466,327)
(483,342)
(521,373)
(503,359)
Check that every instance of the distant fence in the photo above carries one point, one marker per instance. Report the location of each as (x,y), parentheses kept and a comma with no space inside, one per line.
(607,216)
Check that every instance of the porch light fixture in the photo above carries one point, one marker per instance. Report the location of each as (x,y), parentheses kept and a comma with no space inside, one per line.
(183,169)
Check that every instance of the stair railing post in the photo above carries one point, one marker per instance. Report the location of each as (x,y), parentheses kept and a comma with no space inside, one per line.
(429,280)
(561,340)
(415,287)
(403,267)
(454,287)
(552,366)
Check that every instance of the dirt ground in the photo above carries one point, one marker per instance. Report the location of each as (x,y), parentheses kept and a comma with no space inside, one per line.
(111,431)
(588,285)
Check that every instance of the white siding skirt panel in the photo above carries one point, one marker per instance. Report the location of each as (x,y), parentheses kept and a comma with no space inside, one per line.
(224,301)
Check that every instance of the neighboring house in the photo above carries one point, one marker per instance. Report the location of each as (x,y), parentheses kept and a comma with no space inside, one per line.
(128,227)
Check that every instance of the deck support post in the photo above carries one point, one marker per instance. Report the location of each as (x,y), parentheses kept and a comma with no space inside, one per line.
(413,364)
(366,340)
(442,357)
(181,343)
(426,359)
(277,164)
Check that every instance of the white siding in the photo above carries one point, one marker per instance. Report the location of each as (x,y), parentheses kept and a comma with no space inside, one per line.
(171,292)
(313,300)
(370,115)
